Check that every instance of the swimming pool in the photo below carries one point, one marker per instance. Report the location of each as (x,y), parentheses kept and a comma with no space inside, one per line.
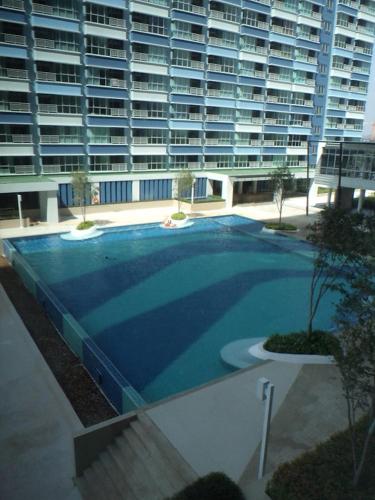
(148,310)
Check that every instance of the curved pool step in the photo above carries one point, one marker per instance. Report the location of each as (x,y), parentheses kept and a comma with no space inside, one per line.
(236,354)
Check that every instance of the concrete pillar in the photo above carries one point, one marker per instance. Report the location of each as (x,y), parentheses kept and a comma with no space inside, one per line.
(313,194)
(346,198)
(227,192)
(209,188)
(240,187)
(135,190)
(255,186)
(361,199)
(329,197)
(49,210)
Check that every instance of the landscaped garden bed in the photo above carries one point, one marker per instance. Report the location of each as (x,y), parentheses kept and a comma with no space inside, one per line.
(318,343)
(214,486)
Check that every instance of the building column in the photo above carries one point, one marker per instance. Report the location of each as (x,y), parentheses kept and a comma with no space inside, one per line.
(135,190)
(313,194)
(240,187)
(227,192)
(255,186)
(209,189)
(49,210)
(361,199)
(329,197)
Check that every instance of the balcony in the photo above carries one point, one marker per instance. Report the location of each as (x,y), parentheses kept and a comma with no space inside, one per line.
(12,4)
(355,88)
(256,49)
(276,121)
(187,35)
(12,39)
(308,36)
(341,66)
(16,138)
(363,50)
(221,93)
(13,73)
(220,68)
(278,99)
(300,123)
(106,51)
(219,141)
(255,23)
(280,77)
(343,45)
(186,141)
(302,102)
(61,139)
(284,30)
(180,89)
(289,6)
(188,116)
(219,118)
(149,28)
(281,53)
(222,42)
(149,58)
(107,139)
(188,63)
(223,15)
(108,167)
(187,6)
(18,107)
(106,111)
(275,143)
(150,86)
(59,109)
(252,72)
(47,76)
(146,113)
(252,120)
(16,170)
(248,142)
(306,58)
(358,109)
(367,30)
(55,10)
(51,44)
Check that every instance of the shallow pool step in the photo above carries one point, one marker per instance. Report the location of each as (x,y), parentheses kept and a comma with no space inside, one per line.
(141,464)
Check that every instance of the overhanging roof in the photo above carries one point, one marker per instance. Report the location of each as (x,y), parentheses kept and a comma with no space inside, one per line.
(26,184)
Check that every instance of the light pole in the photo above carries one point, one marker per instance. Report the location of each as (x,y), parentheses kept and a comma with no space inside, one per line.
(265,392)
(192,194)
(19,201)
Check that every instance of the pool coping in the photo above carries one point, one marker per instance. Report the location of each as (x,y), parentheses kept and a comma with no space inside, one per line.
(259,352)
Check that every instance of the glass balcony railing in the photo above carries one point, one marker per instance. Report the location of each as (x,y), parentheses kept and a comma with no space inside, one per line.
(223,15)
(55,10)
(13,73)
(222,42)
(150,86)
(107,111)
(220,68)
(61,139)
(363,50)
(106,51)
(219,141)
(108,167)
(148,113)
(187,116)
(188,63)
(149,58)
(285,30)
(219,117)
(13,4)
(107,139)
(48,76)
(181,89)
(186,141)
(286,54)
(187,35)
(59,109)
(149,28)
(12,39)
(221,93)
(49,43)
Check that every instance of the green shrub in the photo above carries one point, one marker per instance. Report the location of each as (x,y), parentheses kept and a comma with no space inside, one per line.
(325,473)
(178,216)
(214,486)
(319,342)
(281,227)
(85,225)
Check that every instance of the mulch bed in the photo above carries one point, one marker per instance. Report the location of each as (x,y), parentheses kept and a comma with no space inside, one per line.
(86,399)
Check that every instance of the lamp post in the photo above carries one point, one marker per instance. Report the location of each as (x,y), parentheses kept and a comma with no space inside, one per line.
(192,193)
(265,392)
(19,201)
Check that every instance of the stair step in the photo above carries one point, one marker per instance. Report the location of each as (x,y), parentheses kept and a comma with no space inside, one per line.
(116,475)
(171,454)
(93,483)
(140,484)
(152,463)
(83,487)
(106,483)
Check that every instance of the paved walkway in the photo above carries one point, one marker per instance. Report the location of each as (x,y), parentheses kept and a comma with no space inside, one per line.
(37,422)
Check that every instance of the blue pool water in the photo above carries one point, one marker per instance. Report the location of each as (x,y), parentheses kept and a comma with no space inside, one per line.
(162,304)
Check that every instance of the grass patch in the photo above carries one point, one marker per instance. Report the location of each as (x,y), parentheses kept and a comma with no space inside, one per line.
(320,342)
(214,486)
(178,216)
(85,225)
(283,226)
(326,472)
(208,199)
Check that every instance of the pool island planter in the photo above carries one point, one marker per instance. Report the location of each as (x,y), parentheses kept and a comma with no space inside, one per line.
(83,233)
(258,351)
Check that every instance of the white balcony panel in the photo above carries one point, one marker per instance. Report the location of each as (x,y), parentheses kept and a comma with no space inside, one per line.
(340,73)
(59,120)
(97,30)
(350,182)
(283,14)
(308,20)
(154,69)
(273,84)
(365,16)
(55,56)
(149,9)
(296,151)
(16,150)
(247,127)
(14,85)
(357,116)
(364,36)
(250,56)
(223,25)
(148,95)
(145,149)
(306,89)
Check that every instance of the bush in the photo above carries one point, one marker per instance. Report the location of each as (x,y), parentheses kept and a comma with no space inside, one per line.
(325,473)
(178,216)
(319,342)
(85,225)
(214,486)
(281,227)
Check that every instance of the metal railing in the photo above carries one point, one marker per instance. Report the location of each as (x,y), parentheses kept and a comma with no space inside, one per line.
(151,86)
(19,74)
(12,39)
(61,139)
(16,169)
(13,4)
(16,138)
(15,106)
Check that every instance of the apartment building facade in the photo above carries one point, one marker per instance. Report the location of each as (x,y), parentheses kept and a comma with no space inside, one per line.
(133,91)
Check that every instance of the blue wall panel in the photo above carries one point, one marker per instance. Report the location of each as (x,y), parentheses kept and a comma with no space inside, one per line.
(65,195)
(115,192)
(156,189)
(54,23)
(104,62)
(56,88)
(200,187)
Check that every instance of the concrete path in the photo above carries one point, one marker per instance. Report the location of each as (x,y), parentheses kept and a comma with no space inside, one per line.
(313,410)
(218,427)
(37,422)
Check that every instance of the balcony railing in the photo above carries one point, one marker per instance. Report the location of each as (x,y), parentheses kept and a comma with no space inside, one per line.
(106,82)
(12,4)
(252,72)
(367,30)
(12,39)
(250,119)
(187,35)
(188,63)
(145,113)
(187,6)
(180,89)
(149,28)
(108,167)
(254,48)
(223,15)
(300,123)
(278,99)
(219,118)
(149,58)
(222,42)
(149,166)
(16,170)
(219,68)
(285,30)
(16,138)
(302,102)
(308,36)
(22,107)
(249,142)
(363,50)
(150,86)
(219,141)
(115,22)
(276,121)
(254,23)
(278,143)
(221,93)
(58,11)
(342,45)
(108,139)
(188,116)
(106,51)
(47,76)
(358,109)
(341,66)
(186,141)
(61,139)
(59,109)
(49,43)
(16,74)
(281,53)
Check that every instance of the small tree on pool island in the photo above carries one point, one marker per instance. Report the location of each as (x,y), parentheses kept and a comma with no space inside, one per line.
(81,191)
(185,181)
(342,243)
(281,181)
